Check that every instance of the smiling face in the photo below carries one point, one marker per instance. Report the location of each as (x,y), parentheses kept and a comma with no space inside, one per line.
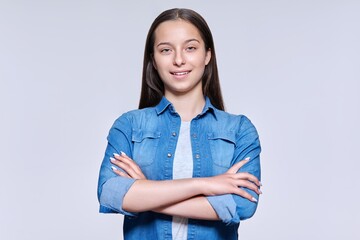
(180,57)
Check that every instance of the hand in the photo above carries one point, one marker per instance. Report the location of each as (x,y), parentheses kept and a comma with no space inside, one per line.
(231,182)
(131,169)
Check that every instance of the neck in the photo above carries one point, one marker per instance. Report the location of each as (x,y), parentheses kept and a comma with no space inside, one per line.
(187,106)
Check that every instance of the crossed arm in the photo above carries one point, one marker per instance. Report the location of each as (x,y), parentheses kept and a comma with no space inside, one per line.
(182,197)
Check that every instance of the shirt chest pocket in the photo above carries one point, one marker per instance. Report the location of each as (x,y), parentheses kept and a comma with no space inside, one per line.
(222,146)
(145,144)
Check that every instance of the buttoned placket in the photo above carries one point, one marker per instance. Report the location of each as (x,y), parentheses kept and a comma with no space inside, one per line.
(169,158)
(194,131)
(173,138)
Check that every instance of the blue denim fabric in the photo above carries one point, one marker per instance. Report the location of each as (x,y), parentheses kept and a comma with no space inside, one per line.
(149,136)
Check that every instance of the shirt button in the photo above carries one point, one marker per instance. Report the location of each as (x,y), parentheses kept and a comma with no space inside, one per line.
(194,135)
(173,134)
(169,155)
(197,156)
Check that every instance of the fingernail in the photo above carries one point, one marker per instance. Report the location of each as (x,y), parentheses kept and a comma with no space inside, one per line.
(248,158)
(122,153)
(112,159)
(254,199)
(113,168)
(116,155)
(260,191)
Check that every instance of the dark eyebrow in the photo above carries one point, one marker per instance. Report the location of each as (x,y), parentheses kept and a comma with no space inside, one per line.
(193,39)
(187,41)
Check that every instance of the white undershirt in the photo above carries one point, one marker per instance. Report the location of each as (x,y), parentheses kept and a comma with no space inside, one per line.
(182,168)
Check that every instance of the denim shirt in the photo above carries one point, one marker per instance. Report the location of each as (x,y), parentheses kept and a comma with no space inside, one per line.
(149,136)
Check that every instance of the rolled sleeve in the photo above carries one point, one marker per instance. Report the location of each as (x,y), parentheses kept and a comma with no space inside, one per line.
(112,195)
(248,145)
(111,187)
(225,208)
(232,208)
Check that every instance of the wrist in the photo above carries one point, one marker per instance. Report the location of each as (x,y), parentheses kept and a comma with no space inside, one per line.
(200,185)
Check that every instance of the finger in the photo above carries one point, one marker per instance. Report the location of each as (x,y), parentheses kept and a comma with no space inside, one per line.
(245,194)
(127,160)
(123,174)
(118,159)
(128,169)
(249,177)
(235,168)
(121,155)
(249,185)
(120,173)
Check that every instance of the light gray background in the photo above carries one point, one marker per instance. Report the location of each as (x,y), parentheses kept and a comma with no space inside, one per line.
(68,69)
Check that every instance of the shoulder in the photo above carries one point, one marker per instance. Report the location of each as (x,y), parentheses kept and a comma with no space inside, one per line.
(134,118)
(242,131)
(137,115)
(236,122)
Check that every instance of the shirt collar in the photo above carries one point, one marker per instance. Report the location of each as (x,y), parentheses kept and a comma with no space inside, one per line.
(164,104)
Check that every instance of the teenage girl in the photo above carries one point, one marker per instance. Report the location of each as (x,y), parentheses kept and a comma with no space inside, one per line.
(180,167)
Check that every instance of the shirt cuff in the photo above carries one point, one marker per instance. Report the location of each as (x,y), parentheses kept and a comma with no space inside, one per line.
(112,195)
(225,208)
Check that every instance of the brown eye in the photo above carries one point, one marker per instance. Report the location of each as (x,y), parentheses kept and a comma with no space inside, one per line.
(190,49)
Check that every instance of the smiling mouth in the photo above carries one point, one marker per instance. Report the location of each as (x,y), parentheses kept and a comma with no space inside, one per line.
(180,73)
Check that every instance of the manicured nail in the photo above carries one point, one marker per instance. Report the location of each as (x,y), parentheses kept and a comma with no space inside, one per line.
(112,159)
(260,191)
(254,199)
(122,153)
(248,158)
(113,168)
(116,155)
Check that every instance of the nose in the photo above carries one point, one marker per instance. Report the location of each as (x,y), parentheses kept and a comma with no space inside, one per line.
(179,58)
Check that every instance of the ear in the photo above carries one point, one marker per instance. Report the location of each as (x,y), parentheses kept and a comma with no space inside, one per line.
(153,61)
(208,57)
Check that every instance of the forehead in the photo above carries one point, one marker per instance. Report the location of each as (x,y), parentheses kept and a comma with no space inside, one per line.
(176,31)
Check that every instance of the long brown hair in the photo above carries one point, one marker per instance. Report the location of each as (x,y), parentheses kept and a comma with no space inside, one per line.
(152,89)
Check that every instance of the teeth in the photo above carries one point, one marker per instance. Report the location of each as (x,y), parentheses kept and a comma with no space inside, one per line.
(180,73)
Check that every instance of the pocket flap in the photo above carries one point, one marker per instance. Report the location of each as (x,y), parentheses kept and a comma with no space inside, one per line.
(226,136)
(140,135)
